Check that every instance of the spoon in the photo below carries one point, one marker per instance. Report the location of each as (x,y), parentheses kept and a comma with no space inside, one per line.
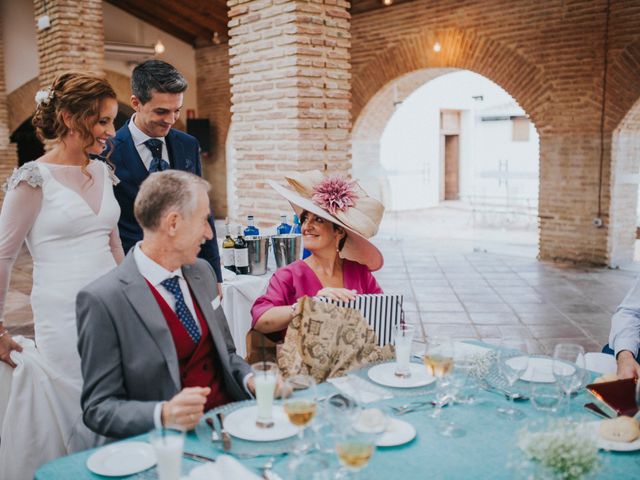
(516,397)
(215,437)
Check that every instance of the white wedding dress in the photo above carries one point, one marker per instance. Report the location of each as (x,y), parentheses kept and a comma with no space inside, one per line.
(69,222)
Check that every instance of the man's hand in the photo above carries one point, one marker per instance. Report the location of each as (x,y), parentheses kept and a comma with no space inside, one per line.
(185,409)
(627,365)
(7,345)
(219,290)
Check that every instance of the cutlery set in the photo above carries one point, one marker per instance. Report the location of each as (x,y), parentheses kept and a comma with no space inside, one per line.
(223,436)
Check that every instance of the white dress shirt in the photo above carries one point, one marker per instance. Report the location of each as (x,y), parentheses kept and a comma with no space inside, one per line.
(156,274)
(139,137)
(625,323)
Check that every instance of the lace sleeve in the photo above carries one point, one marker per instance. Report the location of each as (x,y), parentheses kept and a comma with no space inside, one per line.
(29,173)
(19,211)
(112,173)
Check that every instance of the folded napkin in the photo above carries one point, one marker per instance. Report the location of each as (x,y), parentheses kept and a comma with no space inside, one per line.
(224,468)
(359,389)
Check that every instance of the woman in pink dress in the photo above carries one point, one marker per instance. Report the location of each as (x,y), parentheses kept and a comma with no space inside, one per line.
(337,218)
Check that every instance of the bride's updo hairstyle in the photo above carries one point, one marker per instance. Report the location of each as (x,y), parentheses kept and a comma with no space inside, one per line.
(78,94)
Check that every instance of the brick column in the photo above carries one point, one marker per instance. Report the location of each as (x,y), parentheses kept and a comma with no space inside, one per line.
(8,153)
(214,103)
(290,95)
(75,39)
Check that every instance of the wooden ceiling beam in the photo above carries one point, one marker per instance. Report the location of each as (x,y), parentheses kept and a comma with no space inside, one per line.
(169,21)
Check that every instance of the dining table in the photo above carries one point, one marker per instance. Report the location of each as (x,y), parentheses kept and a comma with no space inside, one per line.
(488,449)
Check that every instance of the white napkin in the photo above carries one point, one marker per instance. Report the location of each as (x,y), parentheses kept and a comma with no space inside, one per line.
(359,389)
(224,468)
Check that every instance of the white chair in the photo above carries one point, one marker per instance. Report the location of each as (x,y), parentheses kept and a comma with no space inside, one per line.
(600,362)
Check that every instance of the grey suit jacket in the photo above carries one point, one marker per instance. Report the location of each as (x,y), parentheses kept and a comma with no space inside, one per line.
(129,360)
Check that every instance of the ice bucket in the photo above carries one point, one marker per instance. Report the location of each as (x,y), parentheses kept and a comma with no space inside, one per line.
(286,248)
(258,254)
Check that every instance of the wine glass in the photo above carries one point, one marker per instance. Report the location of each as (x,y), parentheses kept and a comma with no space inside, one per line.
(568,368)
(300,403)
(356,440)
(513,362)
(438,359)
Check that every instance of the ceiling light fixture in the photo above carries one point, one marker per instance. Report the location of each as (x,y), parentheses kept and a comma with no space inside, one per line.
(437,47)
(387,2)
(216,38)
(159,47)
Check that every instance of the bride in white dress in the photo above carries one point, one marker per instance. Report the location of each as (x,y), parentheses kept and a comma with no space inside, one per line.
(63,206)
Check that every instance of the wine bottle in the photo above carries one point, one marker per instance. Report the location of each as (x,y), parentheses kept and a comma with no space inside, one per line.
(228,245)
(241,254)
(284,227)
(251,229)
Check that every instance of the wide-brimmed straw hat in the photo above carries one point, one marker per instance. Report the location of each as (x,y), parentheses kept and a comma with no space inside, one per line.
(343,202)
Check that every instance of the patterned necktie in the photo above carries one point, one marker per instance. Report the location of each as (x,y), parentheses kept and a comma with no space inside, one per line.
(181,309)
(158,164)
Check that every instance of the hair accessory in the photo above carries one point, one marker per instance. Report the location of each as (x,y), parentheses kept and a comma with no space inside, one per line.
(335,193)
(43,97)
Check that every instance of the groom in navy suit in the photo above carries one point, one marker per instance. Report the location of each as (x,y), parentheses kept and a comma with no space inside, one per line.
(148,143)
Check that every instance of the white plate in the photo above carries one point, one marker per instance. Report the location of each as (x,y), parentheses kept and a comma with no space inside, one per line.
(241,423)
(123,458)
(543,367)
(398,432)
(605,444)
(384,374)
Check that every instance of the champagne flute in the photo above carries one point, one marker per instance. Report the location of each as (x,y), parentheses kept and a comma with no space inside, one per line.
(568,368)
(438,359)
(300,403)
(513,362)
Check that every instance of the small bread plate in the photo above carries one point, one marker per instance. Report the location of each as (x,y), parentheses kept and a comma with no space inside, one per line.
(241,423)
(605,444)
(398,432)
(384,374)
(123,458)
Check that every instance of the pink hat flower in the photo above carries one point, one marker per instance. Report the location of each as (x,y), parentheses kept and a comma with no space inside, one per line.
(334,194)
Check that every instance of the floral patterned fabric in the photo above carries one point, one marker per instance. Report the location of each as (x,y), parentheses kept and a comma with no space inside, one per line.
(326,341)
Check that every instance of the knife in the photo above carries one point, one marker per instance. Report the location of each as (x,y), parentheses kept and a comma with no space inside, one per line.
(198,458)
(226,438)
(214,433)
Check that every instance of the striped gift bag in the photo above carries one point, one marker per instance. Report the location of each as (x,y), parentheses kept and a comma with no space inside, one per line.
(382,312)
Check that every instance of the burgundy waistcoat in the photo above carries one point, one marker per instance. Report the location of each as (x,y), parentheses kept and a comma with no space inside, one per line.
(199,363)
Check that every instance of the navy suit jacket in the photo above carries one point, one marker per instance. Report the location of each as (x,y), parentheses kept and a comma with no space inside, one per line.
(184,154)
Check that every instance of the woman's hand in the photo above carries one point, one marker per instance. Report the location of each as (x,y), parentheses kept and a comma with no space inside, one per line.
(340,294)
(7,344)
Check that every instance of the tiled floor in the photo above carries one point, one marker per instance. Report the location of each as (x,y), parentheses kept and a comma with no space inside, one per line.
(455,291)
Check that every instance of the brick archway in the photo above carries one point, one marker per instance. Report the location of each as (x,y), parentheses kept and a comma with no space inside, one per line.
(368,128)
(623,117)
(21,103)
(461,49)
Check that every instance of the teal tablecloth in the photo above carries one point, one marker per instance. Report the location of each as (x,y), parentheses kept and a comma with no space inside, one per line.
(483,453)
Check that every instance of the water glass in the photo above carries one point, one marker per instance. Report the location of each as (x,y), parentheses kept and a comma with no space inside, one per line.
(403,337)
(265,376)
(569,368)
(513,362)
(545,396)
(168,444)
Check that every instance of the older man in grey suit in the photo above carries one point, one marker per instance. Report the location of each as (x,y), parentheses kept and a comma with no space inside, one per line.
(153,339)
